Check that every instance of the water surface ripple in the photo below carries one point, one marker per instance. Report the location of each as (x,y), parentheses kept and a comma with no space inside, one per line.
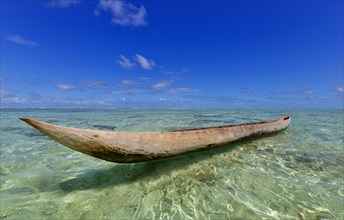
(295,174)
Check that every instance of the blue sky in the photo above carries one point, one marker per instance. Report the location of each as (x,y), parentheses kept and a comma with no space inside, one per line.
(172,54)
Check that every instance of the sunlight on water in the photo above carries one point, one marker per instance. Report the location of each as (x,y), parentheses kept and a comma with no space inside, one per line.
(295,174)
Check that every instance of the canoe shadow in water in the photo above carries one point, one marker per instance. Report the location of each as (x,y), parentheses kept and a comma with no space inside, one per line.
(128,173)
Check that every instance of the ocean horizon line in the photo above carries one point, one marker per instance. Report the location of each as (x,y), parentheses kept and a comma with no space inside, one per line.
(172,108)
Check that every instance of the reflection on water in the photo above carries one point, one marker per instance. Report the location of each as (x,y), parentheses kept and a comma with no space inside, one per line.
(295,174)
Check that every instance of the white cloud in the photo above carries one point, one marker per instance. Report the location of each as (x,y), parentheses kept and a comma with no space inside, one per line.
(123,13)
(317,98)
(95,84)
(65,86)
(162,84)
(48,101)
(10,97)
(314,96)
(340,88)
(61,3)
(5,93)
(31,82)
(129,91)
(129,82)
(175,73)
(84,102)
(184,90)
(144,62)
(307,91)
(162,99)
(247,91)
(20,40)
(125,62)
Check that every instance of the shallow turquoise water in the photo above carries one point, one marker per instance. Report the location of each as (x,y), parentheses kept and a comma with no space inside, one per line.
(295,174)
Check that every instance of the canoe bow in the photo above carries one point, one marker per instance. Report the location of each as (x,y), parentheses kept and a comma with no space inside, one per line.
(133,147)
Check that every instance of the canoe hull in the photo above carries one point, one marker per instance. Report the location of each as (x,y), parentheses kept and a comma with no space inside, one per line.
(133,147)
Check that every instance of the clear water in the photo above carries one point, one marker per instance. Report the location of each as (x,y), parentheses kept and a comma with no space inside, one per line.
(295,174)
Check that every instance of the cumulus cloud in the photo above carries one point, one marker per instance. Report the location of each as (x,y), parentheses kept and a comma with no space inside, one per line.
(307,91)
(162,84)
(20,40)
(143,78)
(83,102)
(340,88)
(65,86)
(125,62)
(184,90)
(61,3)
(129,91)
(247,91)
(95,84)
(175,73)
(123,13)
(49,101)
(318,98)
(160,99)
(144,62)
(31,82)
(129,82)
(7,96)
(314,96)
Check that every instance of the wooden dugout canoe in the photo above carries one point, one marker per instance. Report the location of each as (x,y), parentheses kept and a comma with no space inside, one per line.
(132,147)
